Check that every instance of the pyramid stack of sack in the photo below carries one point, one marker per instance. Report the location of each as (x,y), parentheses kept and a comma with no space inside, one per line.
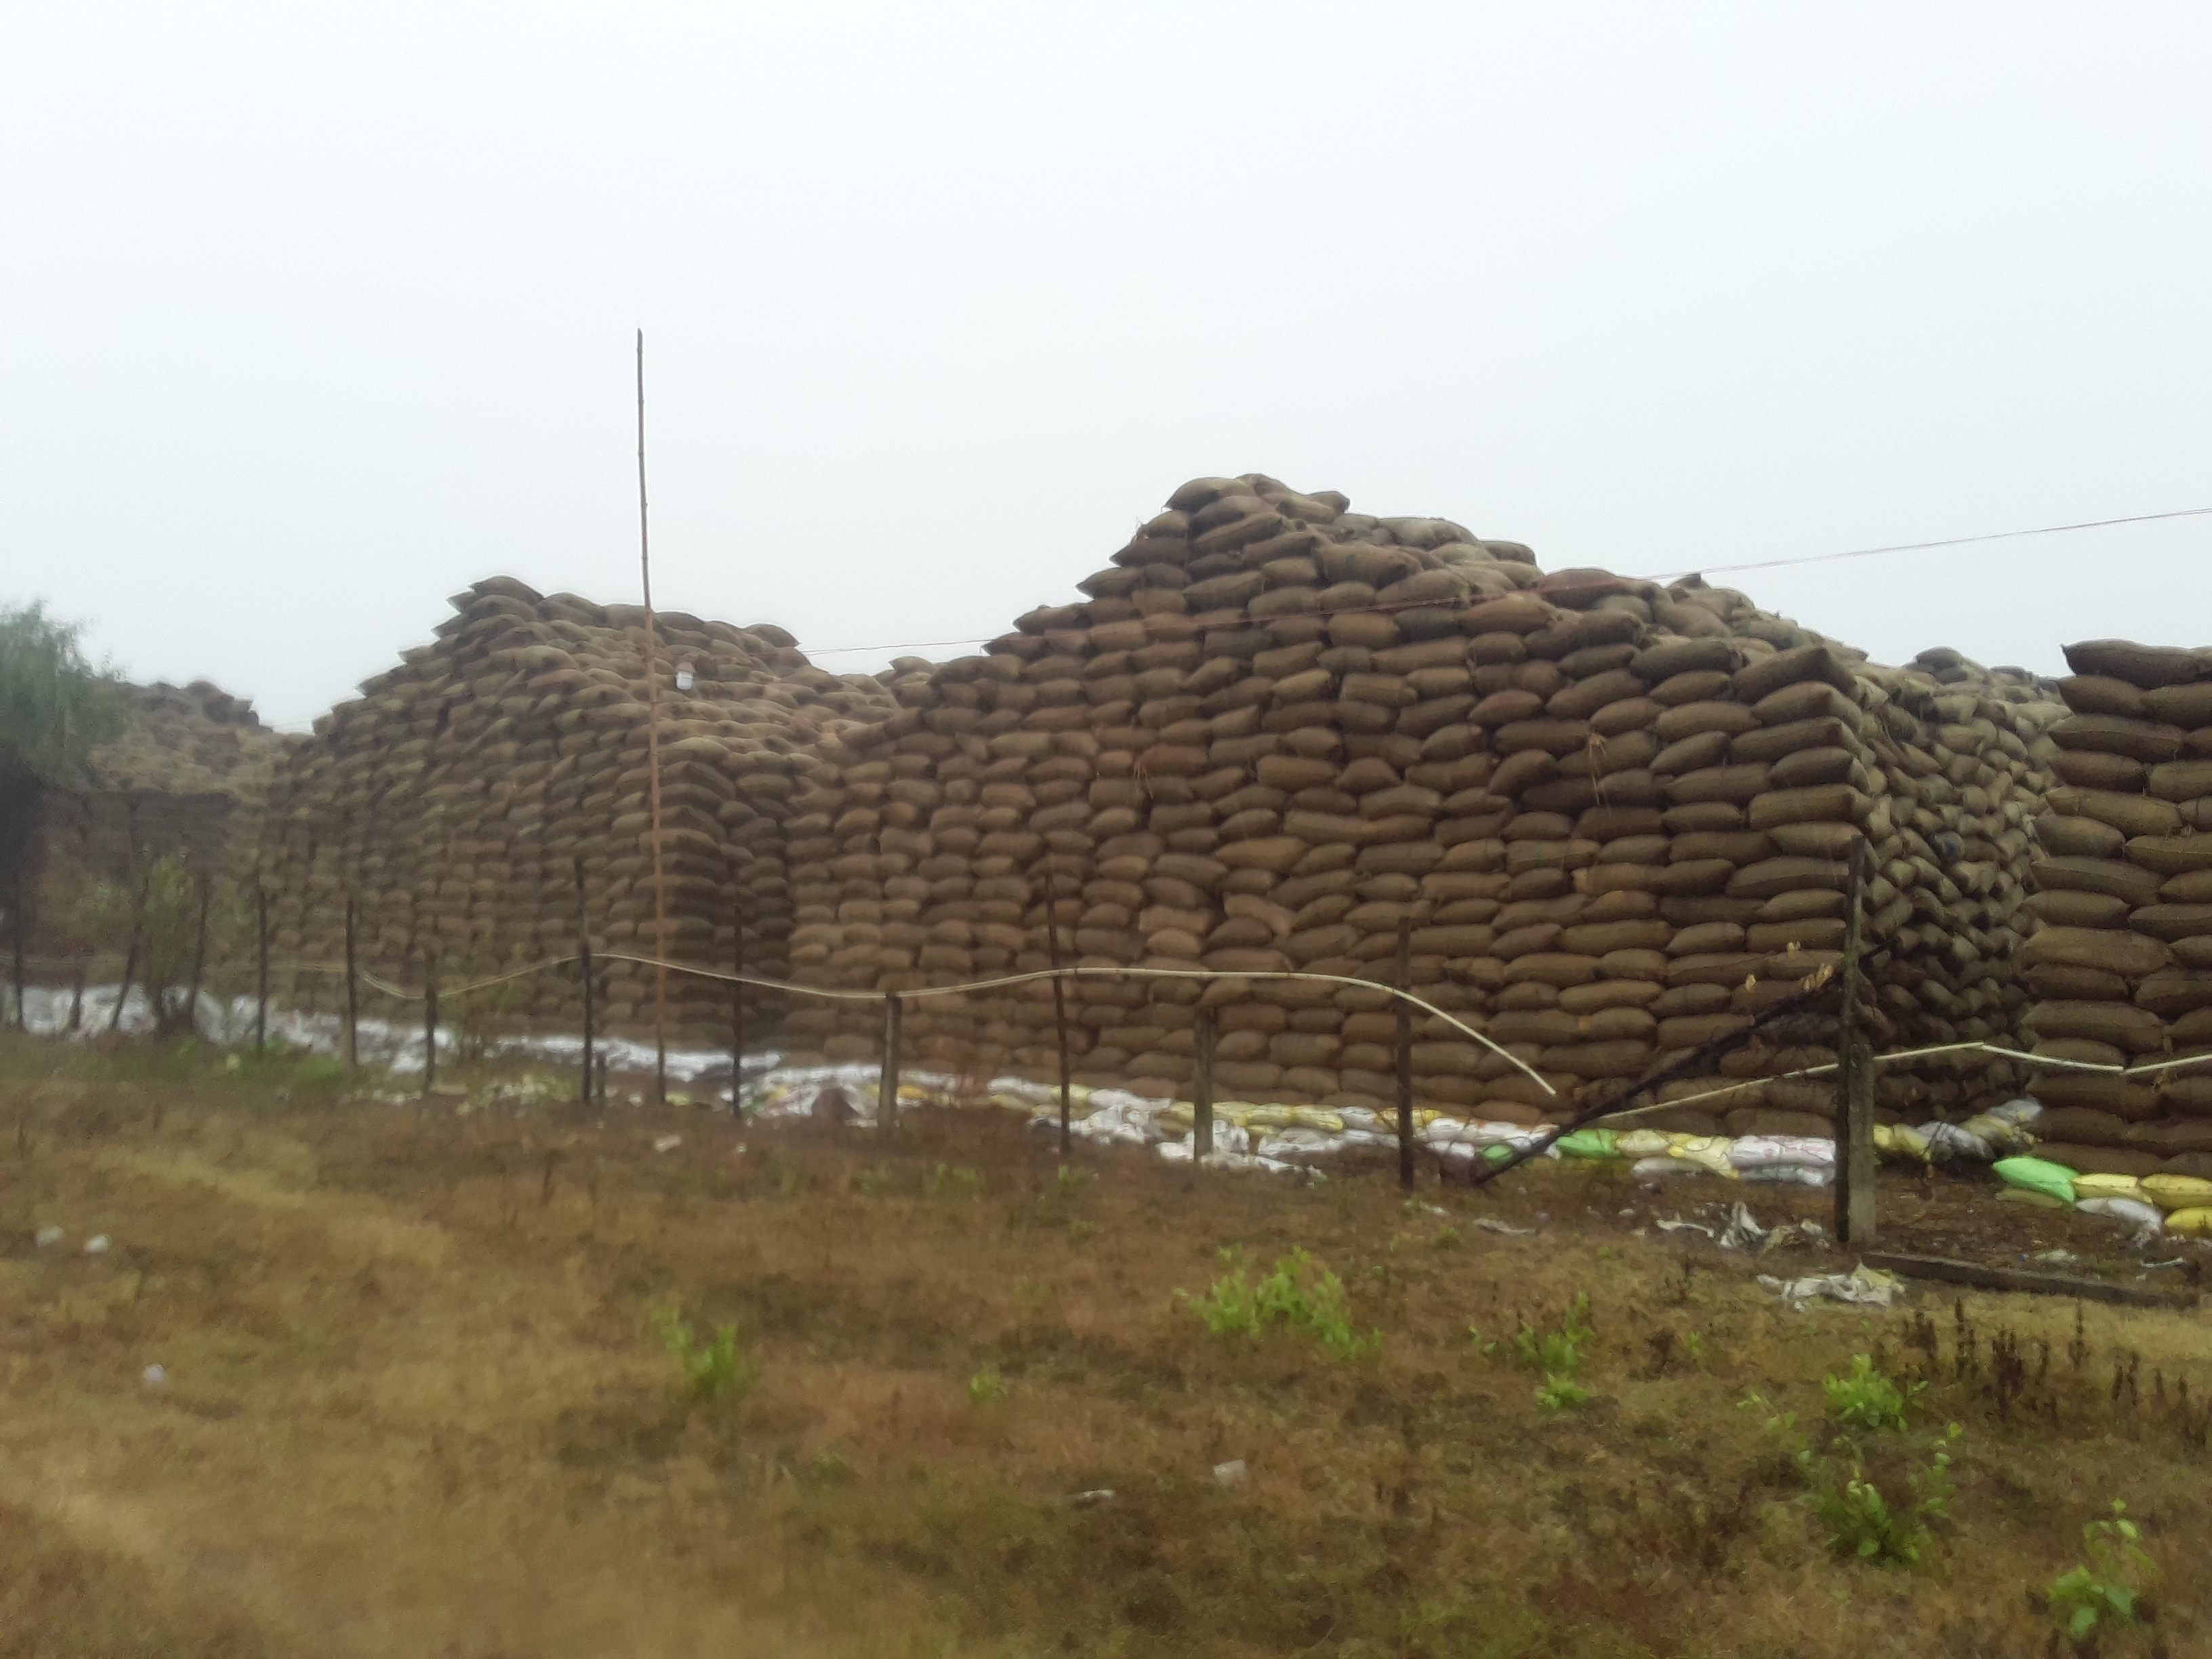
(1616,814)
(455,798)
(2122,970)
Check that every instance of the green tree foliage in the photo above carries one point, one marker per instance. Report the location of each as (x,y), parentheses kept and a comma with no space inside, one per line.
(55,707)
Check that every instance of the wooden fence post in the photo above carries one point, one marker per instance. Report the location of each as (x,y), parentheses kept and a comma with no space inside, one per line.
(200,962)
(1059,1006)
(260,969)
(77,993)
(887,1093)
(429,1023)
(131,956)
(1854,1150)
(353,993)
(16,925)
(1202,1086)
(1405,1056)
(583,960)
(737,1009)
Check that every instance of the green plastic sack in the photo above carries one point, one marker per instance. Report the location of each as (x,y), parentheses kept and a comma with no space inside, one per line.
(2037,1176)
(1589,1143)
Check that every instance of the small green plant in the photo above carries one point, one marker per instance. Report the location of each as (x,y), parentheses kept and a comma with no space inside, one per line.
(1864,1526)
(1069,1179)
(1787,1453)
(986,1387)
(2085,1599)
(826,1468)
(1447,1238)
(962,1183)
(716,1369)
(1868,1400)
(1693,1347)
(1299,1294)
(873,1182)
(1559,1394)
(1561,1351)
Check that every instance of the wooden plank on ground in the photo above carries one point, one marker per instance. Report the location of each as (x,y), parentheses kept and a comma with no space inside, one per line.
(1979,1277)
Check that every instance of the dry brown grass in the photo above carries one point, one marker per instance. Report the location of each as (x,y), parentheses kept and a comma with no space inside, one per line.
(416,1405)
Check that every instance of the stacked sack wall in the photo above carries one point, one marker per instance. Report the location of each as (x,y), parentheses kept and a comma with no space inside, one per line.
(453,800)
(2122,970)
(188,775)
(1615,815)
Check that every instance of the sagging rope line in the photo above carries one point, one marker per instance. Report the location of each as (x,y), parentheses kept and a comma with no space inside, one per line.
(1103,971)
(402,993)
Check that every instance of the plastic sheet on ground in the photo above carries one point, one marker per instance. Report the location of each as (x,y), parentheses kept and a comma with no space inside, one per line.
(1864,1285)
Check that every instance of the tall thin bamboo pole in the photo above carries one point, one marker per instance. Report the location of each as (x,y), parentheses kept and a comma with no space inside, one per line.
(652,763)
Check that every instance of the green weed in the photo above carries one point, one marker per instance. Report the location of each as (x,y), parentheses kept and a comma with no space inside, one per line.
(1864,1526)
(1299,1294)
(1559,1394)
(986,1387)
(717,1370)
(2087,1598)
(872,1183)
(1069,1179)
(1561,1351)
(962,1183)
(1868,1400)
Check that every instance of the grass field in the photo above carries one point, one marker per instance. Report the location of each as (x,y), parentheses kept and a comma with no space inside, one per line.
(417,1403)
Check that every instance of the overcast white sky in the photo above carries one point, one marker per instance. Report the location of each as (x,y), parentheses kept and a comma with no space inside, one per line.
(309,315)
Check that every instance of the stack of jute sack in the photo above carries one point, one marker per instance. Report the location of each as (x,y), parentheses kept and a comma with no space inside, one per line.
(453,801)
(2122,970)
(1616,816)
(187,775)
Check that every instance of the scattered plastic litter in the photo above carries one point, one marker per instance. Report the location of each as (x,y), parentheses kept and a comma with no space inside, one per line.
(1231,1473)
(96,1245)
(46,1235)
(156,1375)
(667,1143)
(1863,1285)
(1491,1225)
(1084,1500)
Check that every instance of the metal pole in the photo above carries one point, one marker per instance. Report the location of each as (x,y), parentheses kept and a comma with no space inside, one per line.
(429,1023)
(1405,1057)
(353,994)
(887,1091)
(653,764)
(737,1007)
(1855,1150)
(1059,1008)
(584,958)
(260,969)
(1201,1086)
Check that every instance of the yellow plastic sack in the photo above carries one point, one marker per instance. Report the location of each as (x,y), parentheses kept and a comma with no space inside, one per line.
(2110,1186)
(1895,1140)
(2177,1192)
(1644,1143)
(1706,1152)
(2199,1220)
